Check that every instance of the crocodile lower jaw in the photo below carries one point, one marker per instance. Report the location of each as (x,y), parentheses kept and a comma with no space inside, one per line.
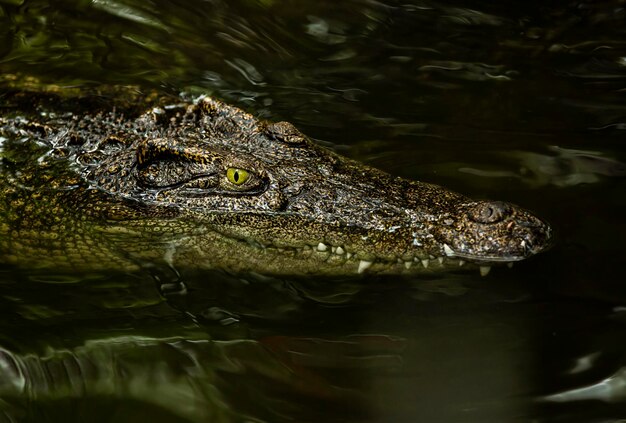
(339,256)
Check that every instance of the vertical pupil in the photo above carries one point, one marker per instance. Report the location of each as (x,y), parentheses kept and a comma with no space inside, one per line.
(236,176)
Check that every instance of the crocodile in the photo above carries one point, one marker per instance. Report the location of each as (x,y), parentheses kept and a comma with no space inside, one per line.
(126,179)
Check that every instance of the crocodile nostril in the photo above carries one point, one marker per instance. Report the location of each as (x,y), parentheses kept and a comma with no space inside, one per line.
(489,212)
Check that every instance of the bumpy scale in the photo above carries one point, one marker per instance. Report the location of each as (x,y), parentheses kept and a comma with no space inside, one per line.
(120,180)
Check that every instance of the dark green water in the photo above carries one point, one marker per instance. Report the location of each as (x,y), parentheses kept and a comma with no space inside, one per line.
(515,100)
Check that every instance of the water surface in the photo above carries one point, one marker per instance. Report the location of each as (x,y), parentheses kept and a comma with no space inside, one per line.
(518,101)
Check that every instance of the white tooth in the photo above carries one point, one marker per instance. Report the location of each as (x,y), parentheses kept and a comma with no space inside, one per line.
(408,264)
(363,264)
(461,263)
(440,260)
(348,255)
(449,251)
(425,263)
(280,249)
(484,270)
(340,251)
(333,248)
(509,265)
(321,247)
(523,243)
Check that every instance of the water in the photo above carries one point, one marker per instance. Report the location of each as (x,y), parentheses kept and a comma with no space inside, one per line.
(517,101)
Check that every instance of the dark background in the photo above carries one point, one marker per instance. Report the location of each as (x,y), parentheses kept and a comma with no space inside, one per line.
(515,100)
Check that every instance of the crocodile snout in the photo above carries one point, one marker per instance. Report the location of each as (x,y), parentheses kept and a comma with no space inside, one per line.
(494,231)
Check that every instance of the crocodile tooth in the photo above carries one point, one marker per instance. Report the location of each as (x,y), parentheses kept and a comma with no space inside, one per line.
(321,247)
(484,270)
(340,251)
(363,264)
(440,260)
(509,265)
(408,264)
(348,255)
(449,251)
(333,249)
(461,263)
(425,263)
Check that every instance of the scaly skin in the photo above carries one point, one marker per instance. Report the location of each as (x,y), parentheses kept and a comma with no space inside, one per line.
(93,182)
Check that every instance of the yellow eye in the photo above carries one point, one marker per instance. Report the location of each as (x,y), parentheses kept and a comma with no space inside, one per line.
(237,176)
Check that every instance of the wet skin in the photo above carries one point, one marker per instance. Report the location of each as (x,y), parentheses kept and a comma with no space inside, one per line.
(123,181)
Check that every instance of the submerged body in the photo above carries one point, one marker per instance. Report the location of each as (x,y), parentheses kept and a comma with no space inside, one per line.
(93,182)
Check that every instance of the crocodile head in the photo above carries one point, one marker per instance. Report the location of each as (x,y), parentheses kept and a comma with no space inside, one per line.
(261,197)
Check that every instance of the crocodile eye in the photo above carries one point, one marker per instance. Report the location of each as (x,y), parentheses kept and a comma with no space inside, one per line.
(237,176)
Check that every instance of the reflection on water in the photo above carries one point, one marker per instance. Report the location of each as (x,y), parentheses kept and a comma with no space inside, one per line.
(519,101)
(202,380)
(372,356)
(611,389)
(563,167)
